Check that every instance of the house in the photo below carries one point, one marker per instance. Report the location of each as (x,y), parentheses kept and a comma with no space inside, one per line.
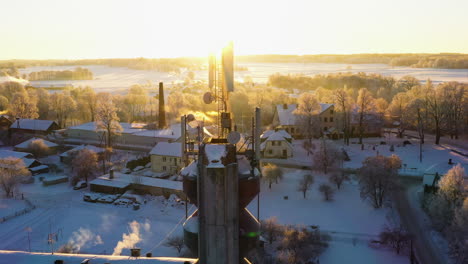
(116,182)
(24,146)
(276,144)
(32,164)
(166,157)
(5,122)
(284,118)
(66,156)
(33,127)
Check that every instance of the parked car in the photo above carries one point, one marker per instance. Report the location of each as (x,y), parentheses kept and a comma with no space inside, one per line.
(80,185)
(91,197)
(123,201)
(109,198)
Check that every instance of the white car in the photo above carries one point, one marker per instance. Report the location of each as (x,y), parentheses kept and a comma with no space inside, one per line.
(109,198)
(91,197)
(123,201)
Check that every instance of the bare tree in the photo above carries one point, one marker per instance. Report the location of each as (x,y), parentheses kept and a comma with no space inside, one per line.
(327,156)
(38,148)
(337,177)
(271,229)
(378,177)
(458,232)
(365,104)
(397,108)
(176,242)
(306,114)
(272,173)
(85,164)
(396,238)
(305,183)
(106,116)
(327,191)
(343,105)
(435,109)
(12,172)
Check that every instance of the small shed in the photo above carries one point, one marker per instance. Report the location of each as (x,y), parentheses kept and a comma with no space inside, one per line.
(34,126)
(110,186)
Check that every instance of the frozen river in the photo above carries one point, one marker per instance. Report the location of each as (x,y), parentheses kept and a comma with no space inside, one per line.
(118,79)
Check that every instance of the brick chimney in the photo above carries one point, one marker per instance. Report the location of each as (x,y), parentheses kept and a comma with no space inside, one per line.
(162,109)
(111,174)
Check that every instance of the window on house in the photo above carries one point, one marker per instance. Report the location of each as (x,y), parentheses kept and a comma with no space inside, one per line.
(331,111)
(331,119)
(164,168)
(164,159)
(279,143)
(325,119)
(325,128)
(292,130)
(270,151)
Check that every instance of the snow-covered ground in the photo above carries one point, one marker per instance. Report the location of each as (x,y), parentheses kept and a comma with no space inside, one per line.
(93,228)
(119,79)
(347,217)
(11,206)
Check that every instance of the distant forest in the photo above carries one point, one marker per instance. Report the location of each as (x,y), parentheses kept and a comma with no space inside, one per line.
(76,74)
(442,60)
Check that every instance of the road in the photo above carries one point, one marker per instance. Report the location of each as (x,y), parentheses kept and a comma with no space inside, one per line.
(426,251)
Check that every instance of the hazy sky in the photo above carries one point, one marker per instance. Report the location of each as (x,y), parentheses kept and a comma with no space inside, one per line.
(42,29)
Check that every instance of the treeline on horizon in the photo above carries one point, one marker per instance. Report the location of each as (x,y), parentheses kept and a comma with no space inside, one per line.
(76,74)
(441,60)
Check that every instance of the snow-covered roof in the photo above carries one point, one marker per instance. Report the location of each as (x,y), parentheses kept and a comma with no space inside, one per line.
(33,124)
(14,154)
(242,162)
(38,168)
(26,143)
(90,147)
(173,132)
(167,149)
(121,179)
(279,135)
(282,132)
(110,182)
(214,154)
(286,115)
(428,179)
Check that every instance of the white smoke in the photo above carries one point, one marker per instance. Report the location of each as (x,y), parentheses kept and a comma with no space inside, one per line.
(81,239)
(131,239)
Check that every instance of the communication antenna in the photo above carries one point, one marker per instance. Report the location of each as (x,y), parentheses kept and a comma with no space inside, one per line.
(233,137)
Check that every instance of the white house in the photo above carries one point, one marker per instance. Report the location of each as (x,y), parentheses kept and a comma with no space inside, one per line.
(276,144)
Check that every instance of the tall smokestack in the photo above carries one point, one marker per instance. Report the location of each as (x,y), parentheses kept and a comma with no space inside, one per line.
(162,109)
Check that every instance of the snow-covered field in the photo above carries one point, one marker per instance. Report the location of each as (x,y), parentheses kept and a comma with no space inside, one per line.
(119,79)
(11,206)
(347,218)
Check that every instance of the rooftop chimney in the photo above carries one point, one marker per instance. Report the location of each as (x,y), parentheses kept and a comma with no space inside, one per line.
(162,109)
(111,174)
(285,106)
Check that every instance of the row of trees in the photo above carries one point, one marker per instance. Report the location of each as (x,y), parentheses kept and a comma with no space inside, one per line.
(76,74)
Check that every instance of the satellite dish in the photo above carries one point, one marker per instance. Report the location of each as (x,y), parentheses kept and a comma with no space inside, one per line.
(208,98)
(233,137)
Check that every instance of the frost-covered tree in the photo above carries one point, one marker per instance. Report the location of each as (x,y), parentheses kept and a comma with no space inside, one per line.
(85,164)
(397,108)
(271,229)
(301,245)
(272,173)
(106,117)
(343,104)
(38,148)
(395,237)
(305,183)
(452,185)
(62,106)
(458,234)
(12,172)
(23,106)
(378,177)
(306,113)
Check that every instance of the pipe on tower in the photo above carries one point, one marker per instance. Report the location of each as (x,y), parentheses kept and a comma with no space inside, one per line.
(162,109)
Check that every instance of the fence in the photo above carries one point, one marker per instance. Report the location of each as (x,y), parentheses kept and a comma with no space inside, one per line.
(28,209)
